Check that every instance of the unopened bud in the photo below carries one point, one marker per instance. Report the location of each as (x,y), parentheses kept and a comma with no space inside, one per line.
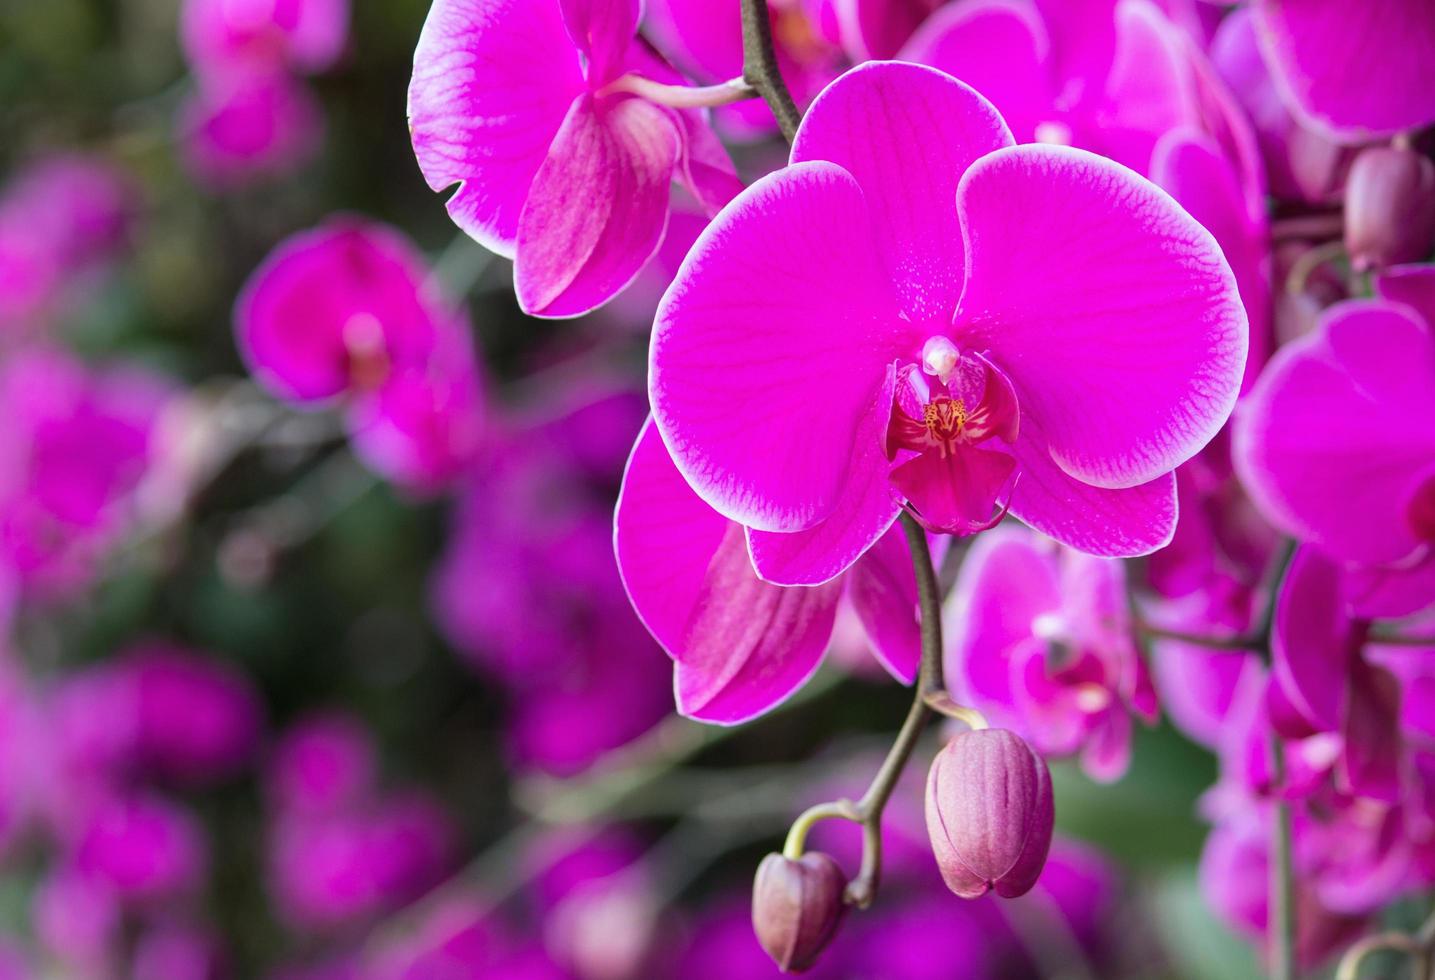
(989,813)
(796,907)
(1389,207)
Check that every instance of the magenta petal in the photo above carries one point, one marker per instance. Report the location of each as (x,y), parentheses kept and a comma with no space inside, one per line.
(602,30)
(1005,583)
(960,494)
(863,514)
(1195,172)
(1112,523)
(1312,644)
(883,590)
(906,133)
(664,538)
(740,644)
(1149,90)
(876,29)
(1413,285)
(1338,429)
(1356,70)
(598,206)
(999,48)
(1370,765)
(750,644)
(492,83)
(1111,309)
(1391,591)
(1107,754)
(771,346)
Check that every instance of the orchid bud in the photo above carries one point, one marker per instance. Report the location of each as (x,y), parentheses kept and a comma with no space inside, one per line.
(796,907)
(1389,207)
(989,813)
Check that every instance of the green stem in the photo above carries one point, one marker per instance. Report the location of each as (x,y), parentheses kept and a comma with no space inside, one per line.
(759,67)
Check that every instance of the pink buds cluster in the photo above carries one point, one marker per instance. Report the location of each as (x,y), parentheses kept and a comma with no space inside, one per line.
(796,907)
(989,813)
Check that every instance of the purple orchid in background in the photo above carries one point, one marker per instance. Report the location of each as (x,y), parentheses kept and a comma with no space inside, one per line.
(351,309)
(1316,47)
(224,36)
(79,444)
(238,129)
(740,645)
(1303,164)
(842,332)
(1337,447)
(1040,640)
(528,593)
(62,218)
(529,107)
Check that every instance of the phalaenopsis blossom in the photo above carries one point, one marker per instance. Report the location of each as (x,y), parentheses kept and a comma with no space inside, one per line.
(1041,641)
(843,336)
(534,108)
(351,311)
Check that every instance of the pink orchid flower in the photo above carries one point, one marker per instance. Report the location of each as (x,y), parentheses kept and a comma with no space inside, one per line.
(239,129)
(741,645)
(528,106)
(1337,447)
(221,36)
(1303,163)
(350,310)
(844,336)
(1041,641)
(1316,47)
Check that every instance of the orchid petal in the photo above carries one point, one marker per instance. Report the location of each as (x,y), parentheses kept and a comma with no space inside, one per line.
(1129,360)
(1318,49)
(598,207)
(1338,429)
(760,393)
(906,133)
(882,588)
(1312,644)
(492,83)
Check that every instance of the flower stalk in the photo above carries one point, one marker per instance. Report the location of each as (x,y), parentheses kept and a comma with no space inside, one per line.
(759,67)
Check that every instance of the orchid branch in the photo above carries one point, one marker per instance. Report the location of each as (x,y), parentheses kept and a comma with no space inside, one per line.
(759,67)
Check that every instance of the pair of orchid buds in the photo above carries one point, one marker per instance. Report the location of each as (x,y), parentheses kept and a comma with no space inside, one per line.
(989,817)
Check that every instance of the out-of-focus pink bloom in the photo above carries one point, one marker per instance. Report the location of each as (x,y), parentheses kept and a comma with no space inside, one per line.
(423,427)
(77,920)
(223,36)
(1235,879)
(197,720)
(459,937)
(351,309)
(328,871)
(61,217)
(21,737)
(141,848)
(740,645)
(526,106)
(528,593)
(241,128)
(1315,47)
(1041,641)
(171,951)
(1324,683)
(323,764)
(14,961)
(341,850)
(339,309)
(77,444)
(1302,163)
(1336,447)
(877,278)
(598,909)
